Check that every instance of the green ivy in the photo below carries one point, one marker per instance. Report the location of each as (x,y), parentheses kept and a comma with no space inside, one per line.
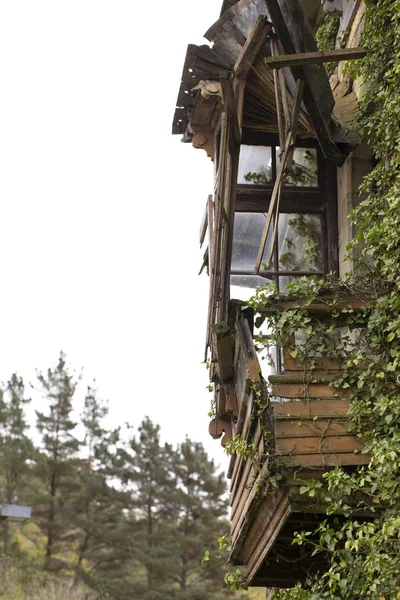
(363,555)
(326,37)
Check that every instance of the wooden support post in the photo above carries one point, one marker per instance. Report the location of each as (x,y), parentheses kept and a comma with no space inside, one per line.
(286,160)
(274,197)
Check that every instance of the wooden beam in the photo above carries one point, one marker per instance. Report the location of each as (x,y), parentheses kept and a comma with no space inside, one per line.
(274,198)
(252,47)
(308,58)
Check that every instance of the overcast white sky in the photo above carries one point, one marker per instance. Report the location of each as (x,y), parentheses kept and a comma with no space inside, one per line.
(101,205)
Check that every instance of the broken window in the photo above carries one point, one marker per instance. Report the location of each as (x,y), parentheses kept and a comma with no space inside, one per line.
(306,238)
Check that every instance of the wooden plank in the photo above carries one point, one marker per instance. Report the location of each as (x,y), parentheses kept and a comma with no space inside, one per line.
(297,100)
(247,346)
(252,47)
(319,445)
(220,400)
(308,58)
(328,460)
(296,428)
(223,346)
(314,408)
(330,304)
(312,390)
(271,208)
(290,127)
(216,234)
(204,223)
(270,520)
(229,198)
(231,401)
(304,377)
(278,99)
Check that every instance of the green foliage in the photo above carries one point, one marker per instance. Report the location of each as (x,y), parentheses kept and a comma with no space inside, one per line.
(239,446)
(326,37)
(115,514)
(362,553)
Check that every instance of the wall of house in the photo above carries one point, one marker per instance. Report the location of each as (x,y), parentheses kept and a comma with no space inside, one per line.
(359,163)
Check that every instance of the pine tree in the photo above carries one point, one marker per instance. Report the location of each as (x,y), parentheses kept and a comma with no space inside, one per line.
(56,463)
(146,476)
(201,510)
(98,507)
(15,451)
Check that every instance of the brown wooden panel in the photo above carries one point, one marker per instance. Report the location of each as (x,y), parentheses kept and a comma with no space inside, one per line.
(328,460)
(319,444)
(294,364)
(355,303)
(306,427)
(313,408)
(308,376)
(312,390)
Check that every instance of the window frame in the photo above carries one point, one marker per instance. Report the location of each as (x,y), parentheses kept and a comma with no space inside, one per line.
(320,200)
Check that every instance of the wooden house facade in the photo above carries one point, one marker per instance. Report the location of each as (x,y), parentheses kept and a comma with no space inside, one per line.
(287,170)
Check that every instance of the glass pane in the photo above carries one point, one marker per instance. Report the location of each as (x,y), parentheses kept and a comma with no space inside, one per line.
(255,165)
(299,243)
(243,286)
(304,172)
(284,281)
(247,234)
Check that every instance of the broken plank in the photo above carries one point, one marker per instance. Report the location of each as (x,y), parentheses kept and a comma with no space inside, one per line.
(252,47)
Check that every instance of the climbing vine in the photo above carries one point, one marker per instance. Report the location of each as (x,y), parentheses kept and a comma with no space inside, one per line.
(363,555)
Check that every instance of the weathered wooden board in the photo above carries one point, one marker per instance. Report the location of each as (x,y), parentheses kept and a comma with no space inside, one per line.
(305,377)
(308,58)
(293,364)
(334,408)
(296,428)
(319,445)
(252,47)
(223,348)
(327,460)
(312,390)
(330,304)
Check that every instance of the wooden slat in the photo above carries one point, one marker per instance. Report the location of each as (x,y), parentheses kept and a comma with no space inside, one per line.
(278,99)
(327,460)
(271,518)
(296,428)
(231,401)
(312,390)
(223,346)
(354,303)
(319,445)
(304,377)
(247,346)
(252,47)
(274,197)
(290,127)
(315,408)
(307,58)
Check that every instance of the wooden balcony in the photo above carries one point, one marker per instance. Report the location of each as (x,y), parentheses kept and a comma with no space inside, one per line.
(295,429)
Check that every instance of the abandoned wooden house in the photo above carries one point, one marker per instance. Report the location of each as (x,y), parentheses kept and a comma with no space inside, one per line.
(258,100)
